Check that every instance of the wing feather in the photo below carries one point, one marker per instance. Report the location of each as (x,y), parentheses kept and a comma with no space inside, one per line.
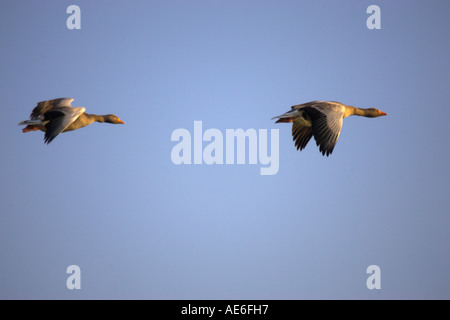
(326,122)
(307,104)
(58,120)
(48,105)
(301,135)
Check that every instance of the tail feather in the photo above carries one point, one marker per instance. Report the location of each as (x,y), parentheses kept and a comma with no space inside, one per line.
(287,117)
(285,120)
(32,125)
(30,122)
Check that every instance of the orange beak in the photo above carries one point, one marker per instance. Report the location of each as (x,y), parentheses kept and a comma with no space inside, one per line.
(383,113)
(121,122)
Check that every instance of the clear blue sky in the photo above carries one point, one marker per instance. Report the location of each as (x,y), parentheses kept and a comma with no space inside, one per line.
(109,199)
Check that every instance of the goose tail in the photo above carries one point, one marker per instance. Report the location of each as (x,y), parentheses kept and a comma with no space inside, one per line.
(287,117)
(32,125)
(30,122)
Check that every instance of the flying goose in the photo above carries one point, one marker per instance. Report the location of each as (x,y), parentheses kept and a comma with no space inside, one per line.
(57,115)
(323,120)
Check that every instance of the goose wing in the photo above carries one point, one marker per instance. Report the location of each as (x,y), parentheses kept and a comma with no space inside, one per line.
(326,123)
(59,119)
(307,104)
(48,105)
(301,133)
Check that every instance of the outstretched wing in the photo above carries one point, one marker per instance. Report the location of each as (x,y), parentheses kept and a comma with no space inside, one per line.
(48,105)
(58,120)
(326,123)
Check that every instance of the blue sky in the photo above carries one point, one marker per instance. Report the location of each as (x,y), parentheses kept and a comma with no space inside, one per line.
(109,199)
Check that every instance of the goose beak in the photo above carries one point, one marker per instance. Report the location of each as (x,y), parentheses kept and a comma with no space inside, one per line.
(121,122)
(383,113)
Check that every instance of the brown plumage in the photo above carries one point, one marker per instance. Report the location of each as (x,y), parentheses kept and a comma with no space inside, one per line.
(323,120)
(57,115)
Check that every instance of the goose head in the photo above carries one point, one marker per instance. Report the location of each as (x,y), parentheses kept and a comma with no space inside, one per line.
(111,118)
(373,113)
